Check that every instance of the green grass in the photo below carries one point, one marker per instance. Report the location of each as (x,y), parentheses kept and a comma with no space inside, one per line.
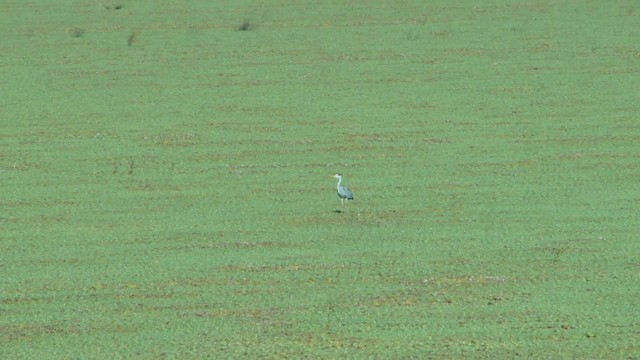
(167,192)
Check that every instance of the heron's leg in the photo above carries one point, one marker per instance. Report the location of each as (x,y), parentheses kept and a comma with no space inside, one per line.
(342,201)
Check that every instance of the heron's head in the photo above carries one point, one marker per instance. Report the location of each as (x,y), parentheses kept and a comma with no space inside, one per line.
(337,176)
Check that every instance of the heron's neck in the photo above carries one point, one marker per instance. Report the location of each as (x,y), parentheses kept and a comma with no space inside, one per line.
(339,181)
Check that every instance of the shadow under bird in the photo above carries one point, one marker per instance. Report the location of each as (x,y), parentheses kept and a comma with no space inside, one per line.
(343,191)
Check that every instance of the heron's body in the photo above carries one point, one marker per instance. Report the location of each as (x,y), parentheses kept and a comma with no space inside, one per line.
(343,191)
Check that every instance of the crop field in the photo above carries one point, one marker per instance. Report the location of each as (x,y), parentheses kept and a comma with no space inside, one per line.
(167,187)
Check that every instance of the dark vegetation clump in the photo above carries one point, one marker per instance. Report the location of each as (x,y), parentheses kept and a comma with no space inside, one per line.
(245,26)
(77,32)
(113,7)
(131,39)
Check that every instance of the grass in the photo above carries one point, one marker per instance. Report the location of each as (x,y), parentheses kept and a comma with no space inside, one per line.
(167,192)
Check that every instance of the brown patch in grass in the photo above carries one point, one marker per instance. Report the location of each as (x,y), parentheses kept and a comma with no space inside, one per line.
(240,245)
(396,300)
(154,187)
(25,331)
(283,268)
(462,280)
(469,52)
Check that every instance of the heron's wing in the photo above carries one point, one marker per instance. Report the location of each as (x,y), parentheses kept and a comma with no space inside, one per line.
(345,192)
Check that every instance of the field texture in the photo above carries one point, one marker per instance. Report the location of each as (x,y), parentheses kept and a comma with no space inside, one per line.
(167,192)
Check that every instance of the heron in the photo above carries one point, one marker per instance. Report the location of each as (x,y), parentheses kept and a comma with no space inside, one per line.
(343,191)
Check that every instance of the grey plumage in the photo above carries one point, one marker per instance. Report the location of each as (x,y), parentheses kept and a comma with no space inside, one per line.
(343,191)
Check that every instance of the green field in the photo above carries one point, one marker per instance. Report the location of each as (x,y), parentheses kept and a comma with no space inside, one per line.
(167,192)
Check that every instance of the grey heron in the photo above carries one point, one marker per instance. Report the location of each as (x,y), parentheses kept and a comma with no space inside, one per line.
(343,191)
